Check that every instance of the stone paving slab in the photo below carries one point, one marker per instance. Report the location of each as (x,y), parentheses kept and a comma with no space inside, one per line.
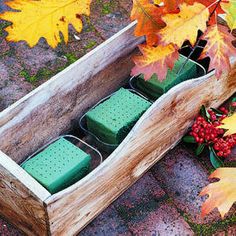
(107,223)
(145,189)
(231,231)
(143,209)
(183,177)
(163,220)
(146,209)
(7,229)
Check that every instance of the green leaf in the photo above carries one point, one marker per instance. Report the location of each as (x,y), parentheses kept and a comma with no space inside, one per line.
(217,111)
(200,149)
(204,113)
(233,99)
(215,160)
(189,139)
(232,109)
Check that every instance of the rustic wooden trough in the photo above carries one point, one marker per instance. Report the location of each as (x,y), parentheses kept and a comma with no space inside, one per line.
(51,110)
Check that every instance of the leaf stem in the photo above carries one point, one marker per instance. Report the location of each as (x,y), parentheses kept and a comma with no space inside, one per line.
(190,54)
(217,4)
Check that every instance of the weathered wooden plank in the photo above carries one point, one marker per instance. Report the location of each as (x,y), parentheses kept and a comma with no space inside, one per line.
(49,110)
(158,130)
(21,198)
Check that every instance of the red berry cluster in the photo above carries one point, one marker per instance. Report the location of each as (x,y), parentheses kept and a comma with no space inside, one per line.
(223,146)
(207,132)
(233,104)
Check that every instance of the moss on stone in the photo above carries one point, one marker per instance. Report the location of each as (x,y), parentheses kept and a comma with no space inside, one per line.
(3,25)
(71,58)
(31,79)
(42,74)
(90,44)
(88,27)
(146,208)
(106,8)
(209,229)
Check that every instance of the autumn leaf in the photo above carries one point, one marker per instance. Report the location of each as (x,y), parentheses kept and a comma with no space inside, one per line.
(214,9)
(173,5)
(157,2)
(229,123)
(222,194)
(230,9)
(155,60)
(149,20)
(185,24)
(219,48)
(213,5)
(44,18)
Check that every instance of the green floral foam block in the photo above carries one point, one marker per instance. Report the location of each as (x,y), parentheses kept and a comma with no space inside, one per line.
(153,88)
(111,120)
(58,166)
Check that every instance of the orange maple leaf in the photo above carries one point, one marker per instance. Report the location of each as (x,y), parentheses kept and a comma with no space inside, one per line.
(185,24)
(219,48)
(222,194)
(173,5)
(149,20)
(155,60)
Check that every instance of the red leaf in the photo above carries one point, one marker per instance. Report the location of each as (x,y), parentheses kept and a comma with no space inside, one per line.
(219,48)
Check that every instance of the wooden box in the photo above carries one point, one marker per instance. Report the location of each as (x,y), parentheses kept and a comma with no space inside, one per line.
(51,109)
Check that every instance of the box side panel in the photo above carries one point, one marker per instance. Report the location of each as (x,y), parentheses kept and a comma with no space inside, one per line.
(18,203)
(158,130)
(52,108)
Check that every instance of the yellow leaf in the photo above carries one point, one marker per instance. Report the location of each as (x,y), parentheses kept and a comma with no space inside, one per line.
(229,123)
(222,194)
(230,9)
(157,2)
(44,18)
(185,24)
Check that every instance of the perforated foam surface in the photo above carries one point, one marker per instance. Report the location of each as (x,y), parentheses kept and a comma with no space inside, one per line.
(154,88)
(113,119)
(59,165)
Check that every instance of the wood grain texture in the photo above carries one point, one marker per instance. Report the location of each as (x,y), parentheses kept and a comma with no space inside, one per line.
(50,109)
(21,198)
(158,130)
